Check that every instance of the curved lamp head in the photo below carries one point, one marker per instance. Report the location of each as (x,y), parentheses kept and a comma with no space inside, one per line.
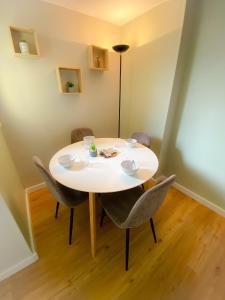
(120,48)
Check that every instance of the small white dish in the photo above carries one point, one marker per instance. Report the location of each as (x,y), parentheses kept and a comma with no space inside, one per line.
(66,160)
(131,142)
(130,167)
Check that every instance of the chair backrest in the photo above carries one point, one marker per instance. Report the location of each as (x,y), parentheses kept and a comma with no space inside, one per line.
(148,203)
(142,138)
(52,184)
(78,134)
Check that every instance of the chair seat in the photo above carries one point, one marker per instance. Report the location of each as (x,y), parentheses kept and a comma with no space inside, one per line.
(73,197)
(118,205)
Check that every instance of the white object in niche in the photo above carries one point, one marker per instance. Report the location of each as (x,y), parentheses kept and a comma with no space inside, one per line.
(24,42)
(69,75)
(24,47)
(71,89)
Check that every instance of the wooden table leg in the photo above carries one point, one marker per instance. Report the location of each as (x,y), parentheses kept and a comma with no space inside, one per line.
(92,213)
(145,186)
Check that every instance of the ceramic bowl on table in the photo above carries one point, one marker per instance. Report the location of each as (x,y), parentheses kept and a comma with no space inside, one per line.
(130,167)
(131,143)
(66,160)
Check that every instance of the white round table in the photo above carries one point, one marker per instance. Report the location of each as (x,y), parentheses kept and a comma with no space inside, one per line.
(103,175)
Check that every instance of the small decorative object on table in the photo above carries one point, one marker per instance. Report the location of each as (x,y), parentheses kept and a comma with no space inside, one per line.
(24,47)
(107,153)
(93,150)
(70,87)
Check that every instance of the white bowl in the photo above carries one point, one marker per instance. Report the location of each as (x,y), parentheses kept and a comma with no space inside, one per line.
(66,160)
(131,143)
(130,167)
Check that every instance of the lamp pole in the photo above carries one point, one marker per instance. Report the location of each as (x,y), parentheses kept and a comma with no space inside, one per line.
(120,49)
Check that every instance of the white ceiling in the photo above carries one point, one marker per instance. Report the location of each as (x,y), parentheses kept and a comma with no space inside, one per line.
(117,12)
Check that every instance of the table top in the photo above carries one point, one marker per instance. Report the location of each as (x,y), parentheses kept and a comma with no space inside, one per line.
(104,175)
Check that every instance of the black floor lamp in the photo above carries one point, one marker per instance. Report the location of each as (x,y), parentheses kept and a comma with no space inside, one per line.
(120,49)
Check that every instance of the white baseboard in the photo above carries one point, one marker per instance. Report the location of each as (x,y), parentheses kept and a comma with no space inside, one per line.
(19,266)
(217,209)
(35,187)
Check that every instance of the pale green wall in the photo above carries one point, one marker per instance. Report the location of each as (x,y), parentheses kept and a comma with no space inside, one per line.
(197,143)
(149,68)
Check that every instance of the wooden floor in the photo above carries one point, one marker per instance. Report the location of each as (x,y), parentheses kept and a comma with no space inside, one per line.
(187,263)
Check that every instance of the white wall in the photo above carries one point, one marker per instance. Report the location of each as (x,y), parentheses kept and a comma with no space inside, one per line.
(196,144)
(149,69)
(37,119)
(15,253)
(11,188)
(15,231)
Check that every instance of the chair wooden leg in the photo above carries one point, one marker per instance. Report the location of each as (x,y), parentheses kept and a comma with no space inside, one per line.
(127,248)
(153,229)
(103,214)
(71,225)
(57,210)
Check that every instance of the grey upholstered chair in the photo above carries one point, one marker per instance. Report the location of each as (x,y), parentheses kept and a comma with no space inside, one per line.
(142,138)
(132,208)
(62,194)
(78,134)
